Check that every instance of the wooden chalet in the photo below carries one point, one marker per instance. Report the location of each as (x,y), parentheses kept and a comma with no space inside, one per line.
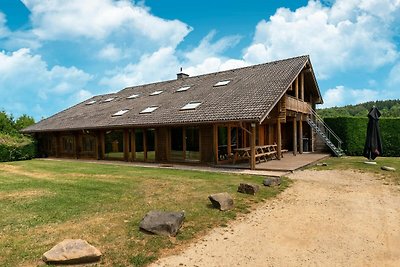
(248,114)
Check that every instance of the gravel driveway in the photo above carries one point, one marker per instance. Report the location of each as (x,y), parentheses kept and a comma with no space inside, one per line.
(327,218)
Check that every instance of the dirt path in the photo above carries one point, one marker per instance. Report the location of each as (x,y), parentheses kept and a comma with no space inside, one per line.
(327,218)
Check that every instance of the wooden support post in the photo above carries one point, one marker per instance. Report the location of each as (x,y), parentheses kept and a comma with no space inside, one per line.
(301,135)
(133,145)
(215,143)
(125,144)
(144,145)
(102,145)
(294,136)
(296,88)
(96,145)
(302,86)
(76,143)
(229,141)
(279,138)
(184,142)
(253,147)
(58,145)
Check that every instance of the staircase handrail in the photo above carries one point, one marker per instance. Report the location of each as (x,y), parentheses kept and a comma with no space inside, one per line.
(320,120)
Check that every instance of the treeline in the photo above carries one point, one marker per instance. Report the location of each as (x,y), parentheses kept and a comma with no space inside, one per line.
(13,144)
(388,108)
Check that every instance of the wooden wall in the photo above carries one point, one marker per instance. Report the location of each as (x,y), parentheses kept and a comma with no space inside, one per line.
(206,141)
(163,146)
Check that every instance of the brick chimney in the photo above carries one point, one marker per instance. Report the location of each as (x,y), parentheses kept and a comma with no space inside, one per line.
(181,75)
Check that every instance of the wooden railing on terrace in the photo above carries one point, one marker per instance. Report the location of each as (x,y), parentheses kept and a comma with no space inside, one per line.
(297,105)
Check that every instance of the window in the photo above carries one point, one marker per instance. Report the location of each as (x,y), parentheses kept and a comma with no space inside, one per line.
(156,93)
(148,110)
(132,96)
(222,83)
(182,89)
(91,102)
(191,105)
(109,99)
(120,113)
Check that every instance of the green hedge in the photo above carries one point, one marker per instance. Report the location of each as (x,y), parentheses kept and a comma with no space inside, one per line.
(14,148)
(353,131)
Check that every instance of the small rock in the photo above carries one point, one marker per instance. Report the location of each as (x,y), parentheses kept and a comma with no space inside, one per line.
(386,168)
(324,164)
(162,223)
(370,162)
(221,201)
(272,181)
(250,189)
(72,251)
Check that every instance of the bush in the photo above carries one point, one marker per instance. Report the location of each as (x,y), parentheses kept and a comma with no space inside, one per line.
(14,148)
(353,131)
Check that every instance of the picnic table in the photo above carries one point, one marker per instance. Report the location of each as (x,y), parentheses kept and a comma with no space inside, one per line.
(266,152)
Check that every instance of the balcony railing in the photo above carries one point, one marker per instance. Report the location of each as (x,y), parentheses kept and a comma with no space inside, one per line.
(297,105)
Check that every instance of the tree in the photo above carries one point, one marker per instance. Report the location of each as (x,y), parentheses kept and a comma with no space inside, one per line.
(6,123)
(23,122)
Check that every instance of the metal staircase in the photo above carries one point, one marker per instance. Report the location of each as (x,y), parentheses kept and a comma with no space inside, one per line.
(327,135)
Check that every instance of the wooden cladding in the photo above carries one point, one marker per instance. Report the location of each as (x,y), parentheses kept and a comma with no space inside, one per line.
(294,104)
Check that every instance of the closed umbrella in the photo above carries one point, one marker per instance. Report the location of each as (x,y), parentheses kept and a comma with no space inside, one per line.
(373,143)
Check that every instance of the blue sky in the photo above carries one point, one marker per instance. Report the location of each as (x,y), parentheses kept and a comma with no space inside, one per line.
(54,54)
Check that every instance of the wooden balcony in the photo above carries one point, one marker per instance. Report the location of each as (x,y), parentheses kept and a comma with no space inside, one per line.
(297,105)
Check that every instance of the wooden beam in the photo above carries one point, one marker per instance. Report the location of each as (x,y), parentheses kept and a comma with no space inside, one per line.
(184,142)
(229,142)
(133,145)
(144,144)
(253,147)
(301,135)
(102,145)
(125,144)
(294,137)
(215,143)
(279,139)
(302,86)
(296,87)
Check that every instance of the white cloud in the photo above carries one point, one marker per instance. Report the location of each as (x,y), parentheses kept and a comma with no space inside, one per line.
(26,78)
(160,65)
(340,96)
(110,52)
(349,34)
(3,28)
(394,76)
(207,48)
(99,19)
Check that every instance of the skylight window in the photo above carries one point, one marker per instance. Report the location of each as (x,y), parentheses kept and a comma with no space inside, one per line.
(120,113)
(148,110)
(191,105)
(222,83)
(91,102)
(182,89)
(132,96)
(156,93)
(109,99)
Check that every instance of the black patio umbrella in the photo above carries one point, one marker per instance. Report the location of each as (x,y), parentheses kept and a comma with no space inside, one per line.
(373,143)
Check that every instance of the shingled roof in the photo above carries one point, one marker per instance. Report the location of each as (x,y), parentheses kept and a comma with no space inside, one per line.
(249,96)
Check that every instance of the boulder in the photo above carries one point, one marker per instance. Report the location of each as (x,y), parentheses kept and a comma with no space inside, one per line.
(272,181)
(250,189)
(323,164)
(72,251)
(386,168)
(221,201)
(162,223)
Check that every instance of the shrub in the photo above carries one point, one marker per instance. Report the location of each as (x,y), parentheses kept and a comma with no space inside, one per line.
(353,131)
(14,148)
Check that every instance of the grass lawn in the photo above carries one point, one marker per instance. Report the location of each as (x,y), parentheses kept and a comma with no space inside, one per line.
(44,202)
(357,163)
